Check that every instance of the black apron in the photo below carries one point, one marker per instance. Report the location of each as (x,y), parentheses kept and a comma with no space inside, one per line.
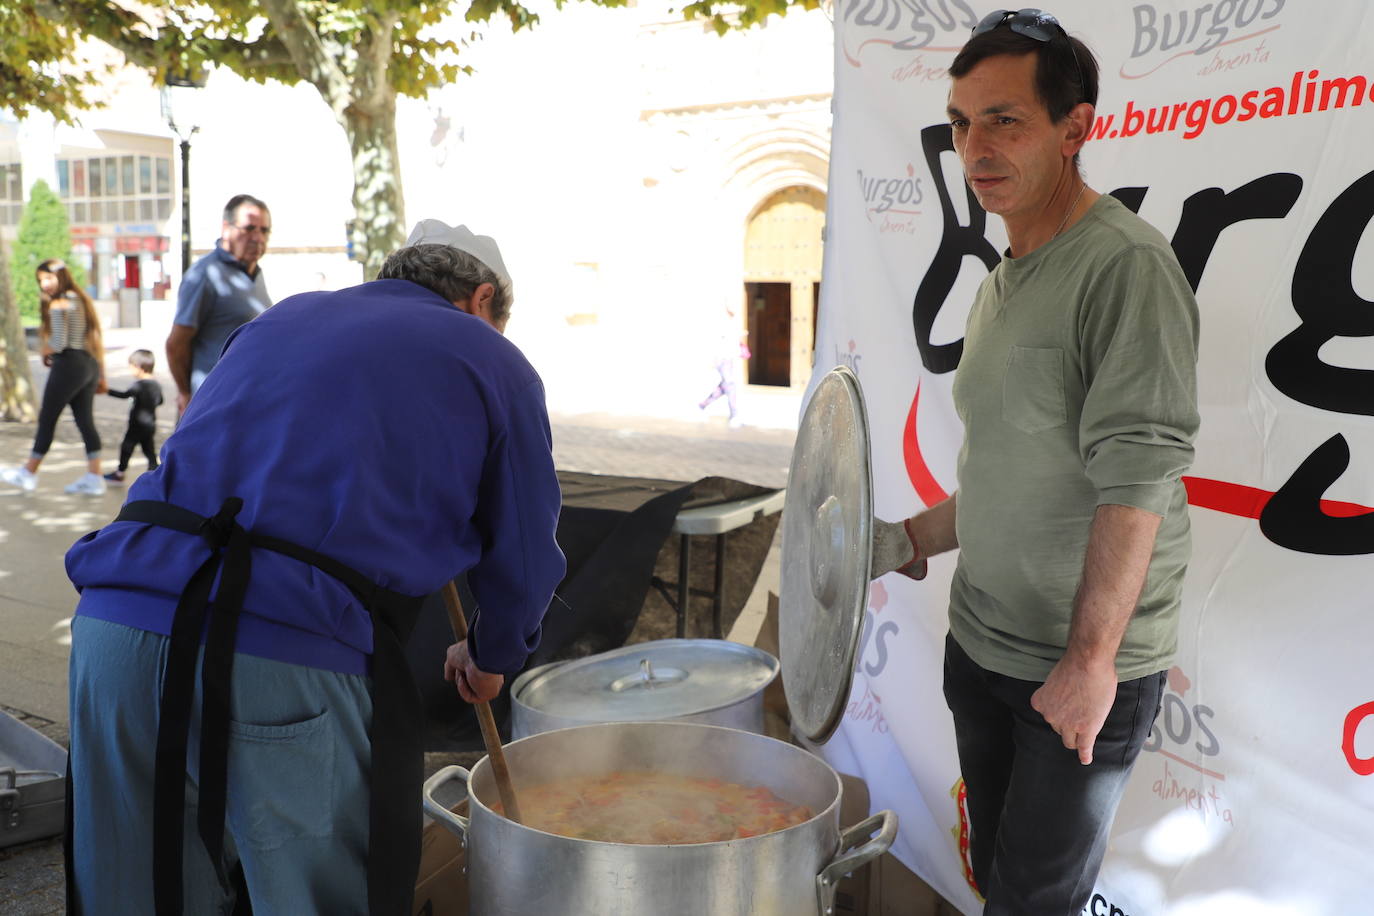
(393,856)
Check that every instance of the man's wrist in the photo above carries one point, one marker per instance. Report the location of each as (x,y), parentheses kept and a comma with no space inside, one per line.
(915,568)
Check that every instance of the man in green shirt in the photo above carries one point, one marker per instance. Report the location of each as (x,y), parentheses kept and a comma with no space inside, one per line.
(1078,396)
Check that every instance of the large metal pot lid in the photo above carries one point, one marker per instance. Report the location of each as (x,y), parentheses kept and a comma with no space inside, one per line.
(827,549)
(648,681)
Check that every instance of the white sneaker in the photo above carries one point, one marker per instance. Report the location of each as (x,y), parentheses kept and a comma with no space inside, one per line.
(88,483)
(20,477)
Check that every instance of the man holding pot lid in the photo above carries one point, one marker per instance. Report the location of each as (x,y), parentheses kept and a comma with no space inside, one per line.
(1077,392)
(242,716)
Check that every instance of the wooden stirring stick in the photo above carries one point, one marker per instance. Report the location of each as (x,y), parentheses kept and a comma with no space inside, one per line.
(490,736)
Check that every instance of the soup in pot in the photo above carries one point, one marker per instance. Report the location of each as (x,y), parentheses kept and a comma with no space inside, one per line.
(651,808)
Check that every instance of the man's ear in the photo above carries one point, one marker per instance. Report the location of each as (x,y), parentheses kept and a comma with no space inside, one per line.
(1080,120)
(482,298)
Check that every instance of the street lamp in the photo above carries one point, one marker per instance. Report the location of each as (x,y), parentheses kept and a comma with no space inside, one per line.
(178,109)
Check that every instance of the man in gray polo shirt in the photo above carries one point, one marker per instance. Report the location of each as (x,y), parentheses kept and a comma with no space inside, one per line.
(218,293)
(1078,396)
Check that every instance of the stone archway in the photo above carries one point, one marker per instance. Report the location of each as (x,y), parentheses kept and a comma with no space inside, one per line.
(782,275)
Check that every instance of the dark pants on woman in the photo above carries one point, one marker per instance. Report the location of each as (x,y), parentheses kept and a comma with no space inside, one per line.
(1039,818)
(72,381)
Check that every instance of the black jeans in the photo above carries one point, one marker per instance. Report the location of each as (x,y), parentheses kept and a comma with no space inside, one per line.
(72,381)
(138,435)
(1039,819)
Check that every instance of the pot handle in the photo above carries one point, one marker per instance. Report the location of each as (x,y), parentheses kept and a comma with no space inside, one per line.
(845,862)
(455,822)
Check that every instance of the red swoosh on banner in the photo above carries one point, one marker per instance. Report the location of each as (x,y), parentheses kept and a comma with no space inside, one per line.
(927,487)
(1217,495)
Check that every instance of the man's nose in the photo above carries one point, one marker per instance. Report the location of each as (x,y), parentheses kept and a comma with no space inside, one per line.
(976,144)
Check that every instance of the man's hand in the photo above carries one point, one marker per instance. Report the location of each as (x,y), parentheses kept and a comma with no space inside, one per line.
(183,398)
(1075,700)
(474,685)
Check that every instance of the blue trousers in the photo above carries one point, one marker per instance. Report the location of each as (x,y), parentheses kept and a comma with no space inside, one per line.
(297,815)
(1039,819)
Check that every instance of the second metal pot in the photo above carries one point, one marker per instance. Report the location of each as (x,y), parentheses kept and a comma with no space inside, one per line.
(708,681)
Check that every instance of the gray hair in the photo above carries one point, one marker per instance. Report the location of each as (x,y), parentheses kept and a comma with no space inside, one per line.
(451,273)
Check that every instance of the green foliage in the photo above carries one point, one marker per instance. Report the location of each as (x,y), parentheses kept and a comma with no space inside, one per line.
(725,16)
(43,234)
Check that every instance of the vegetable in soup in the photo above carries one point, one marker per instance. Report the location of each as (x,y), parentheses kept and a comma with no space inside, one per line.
(650,808)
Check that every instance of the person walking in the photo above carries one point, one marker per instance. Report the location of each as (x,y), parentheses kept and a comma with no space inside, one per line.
(1077,390)
(146,395)
(71,346)
(310,498)
(220,292)
(730,344)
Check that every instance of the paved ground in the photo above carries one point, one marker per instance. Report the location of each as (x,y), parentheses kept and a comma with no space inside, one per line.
(36,529)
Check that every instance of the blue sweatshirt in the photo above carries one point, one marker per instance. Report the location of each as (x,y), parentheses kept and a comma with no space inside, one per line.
(379,426)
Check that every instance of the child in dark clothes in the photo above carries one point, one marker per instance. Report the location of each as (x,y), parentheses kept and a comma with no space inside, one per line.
(147,395)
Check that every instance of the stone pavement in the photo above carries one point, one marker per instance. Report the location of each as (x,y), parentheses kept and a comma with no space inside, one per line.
(36,529)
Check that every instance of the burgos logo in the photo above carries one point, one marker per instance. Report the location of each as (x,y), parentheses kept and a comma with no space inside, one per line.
(908,25)
(896,199)
(1178,33)
(1182,732)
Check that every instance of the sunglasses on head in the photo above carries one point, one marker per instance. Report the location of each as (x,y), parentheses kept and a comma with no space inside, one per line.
(1032,23)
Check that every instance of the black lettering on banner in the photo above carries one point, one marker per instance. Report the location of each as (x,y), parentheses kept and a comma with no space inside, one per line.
(1131,198)
(1208,212)
(1325,299)
(956,242)
(1293,517)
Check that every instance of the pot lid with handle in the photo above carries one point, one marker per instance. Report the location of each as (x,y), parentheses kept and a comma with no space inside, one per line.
(827,551)
(647,681)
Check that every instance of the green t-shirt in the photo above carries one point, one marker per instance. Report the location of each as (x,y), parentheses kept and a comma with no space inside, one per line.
(1077,388)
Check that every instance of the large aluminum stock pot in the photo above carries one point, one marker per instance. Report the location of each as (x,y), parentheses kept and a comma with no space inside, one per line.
(515,870)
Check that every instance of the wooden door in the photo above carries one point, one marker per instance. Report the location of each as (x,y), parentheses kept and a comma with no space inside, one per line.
(770,337)
(782,267)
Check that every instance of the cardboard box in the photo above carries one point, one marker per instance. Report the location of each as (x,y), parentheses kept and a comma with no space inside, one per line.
(441,888)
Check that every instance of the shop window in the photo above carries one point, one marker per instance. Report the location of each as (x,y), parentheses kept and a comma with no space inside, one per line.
(16,184)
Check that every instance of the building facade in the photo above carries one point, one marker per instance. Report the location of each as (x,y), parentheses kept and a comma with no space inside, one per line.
(646,178)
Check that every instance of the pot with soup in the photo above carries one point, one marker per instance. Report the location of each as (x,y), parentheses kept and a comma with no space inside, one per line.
(663,818)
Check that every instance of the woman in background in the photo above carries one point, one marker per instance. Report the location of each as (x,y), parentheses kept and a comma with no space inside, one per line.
(71,346)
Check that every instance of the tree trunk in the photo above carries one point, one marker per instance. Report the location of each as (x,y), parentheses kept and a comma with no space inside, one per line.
(379,225)
(16,382)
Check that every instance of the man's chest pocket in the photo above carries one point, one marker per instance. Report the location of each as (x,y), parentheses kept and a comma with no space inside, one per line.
(1033,389)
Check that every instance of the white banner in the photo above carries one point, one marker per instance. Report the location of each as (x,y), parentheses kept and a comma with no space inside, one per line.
(1242,130)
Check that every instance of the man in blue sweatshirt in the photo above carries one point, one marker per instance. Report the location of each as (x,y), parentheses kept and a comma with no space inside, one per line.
(242,718)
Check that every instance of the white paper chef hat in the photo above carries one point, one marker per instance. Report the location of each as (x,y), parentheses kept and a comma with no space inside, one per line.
(481,247)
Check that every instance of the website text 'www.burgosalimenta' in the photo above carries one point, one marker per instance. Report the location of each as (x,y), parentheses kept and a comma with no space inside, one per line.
(1308,92)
